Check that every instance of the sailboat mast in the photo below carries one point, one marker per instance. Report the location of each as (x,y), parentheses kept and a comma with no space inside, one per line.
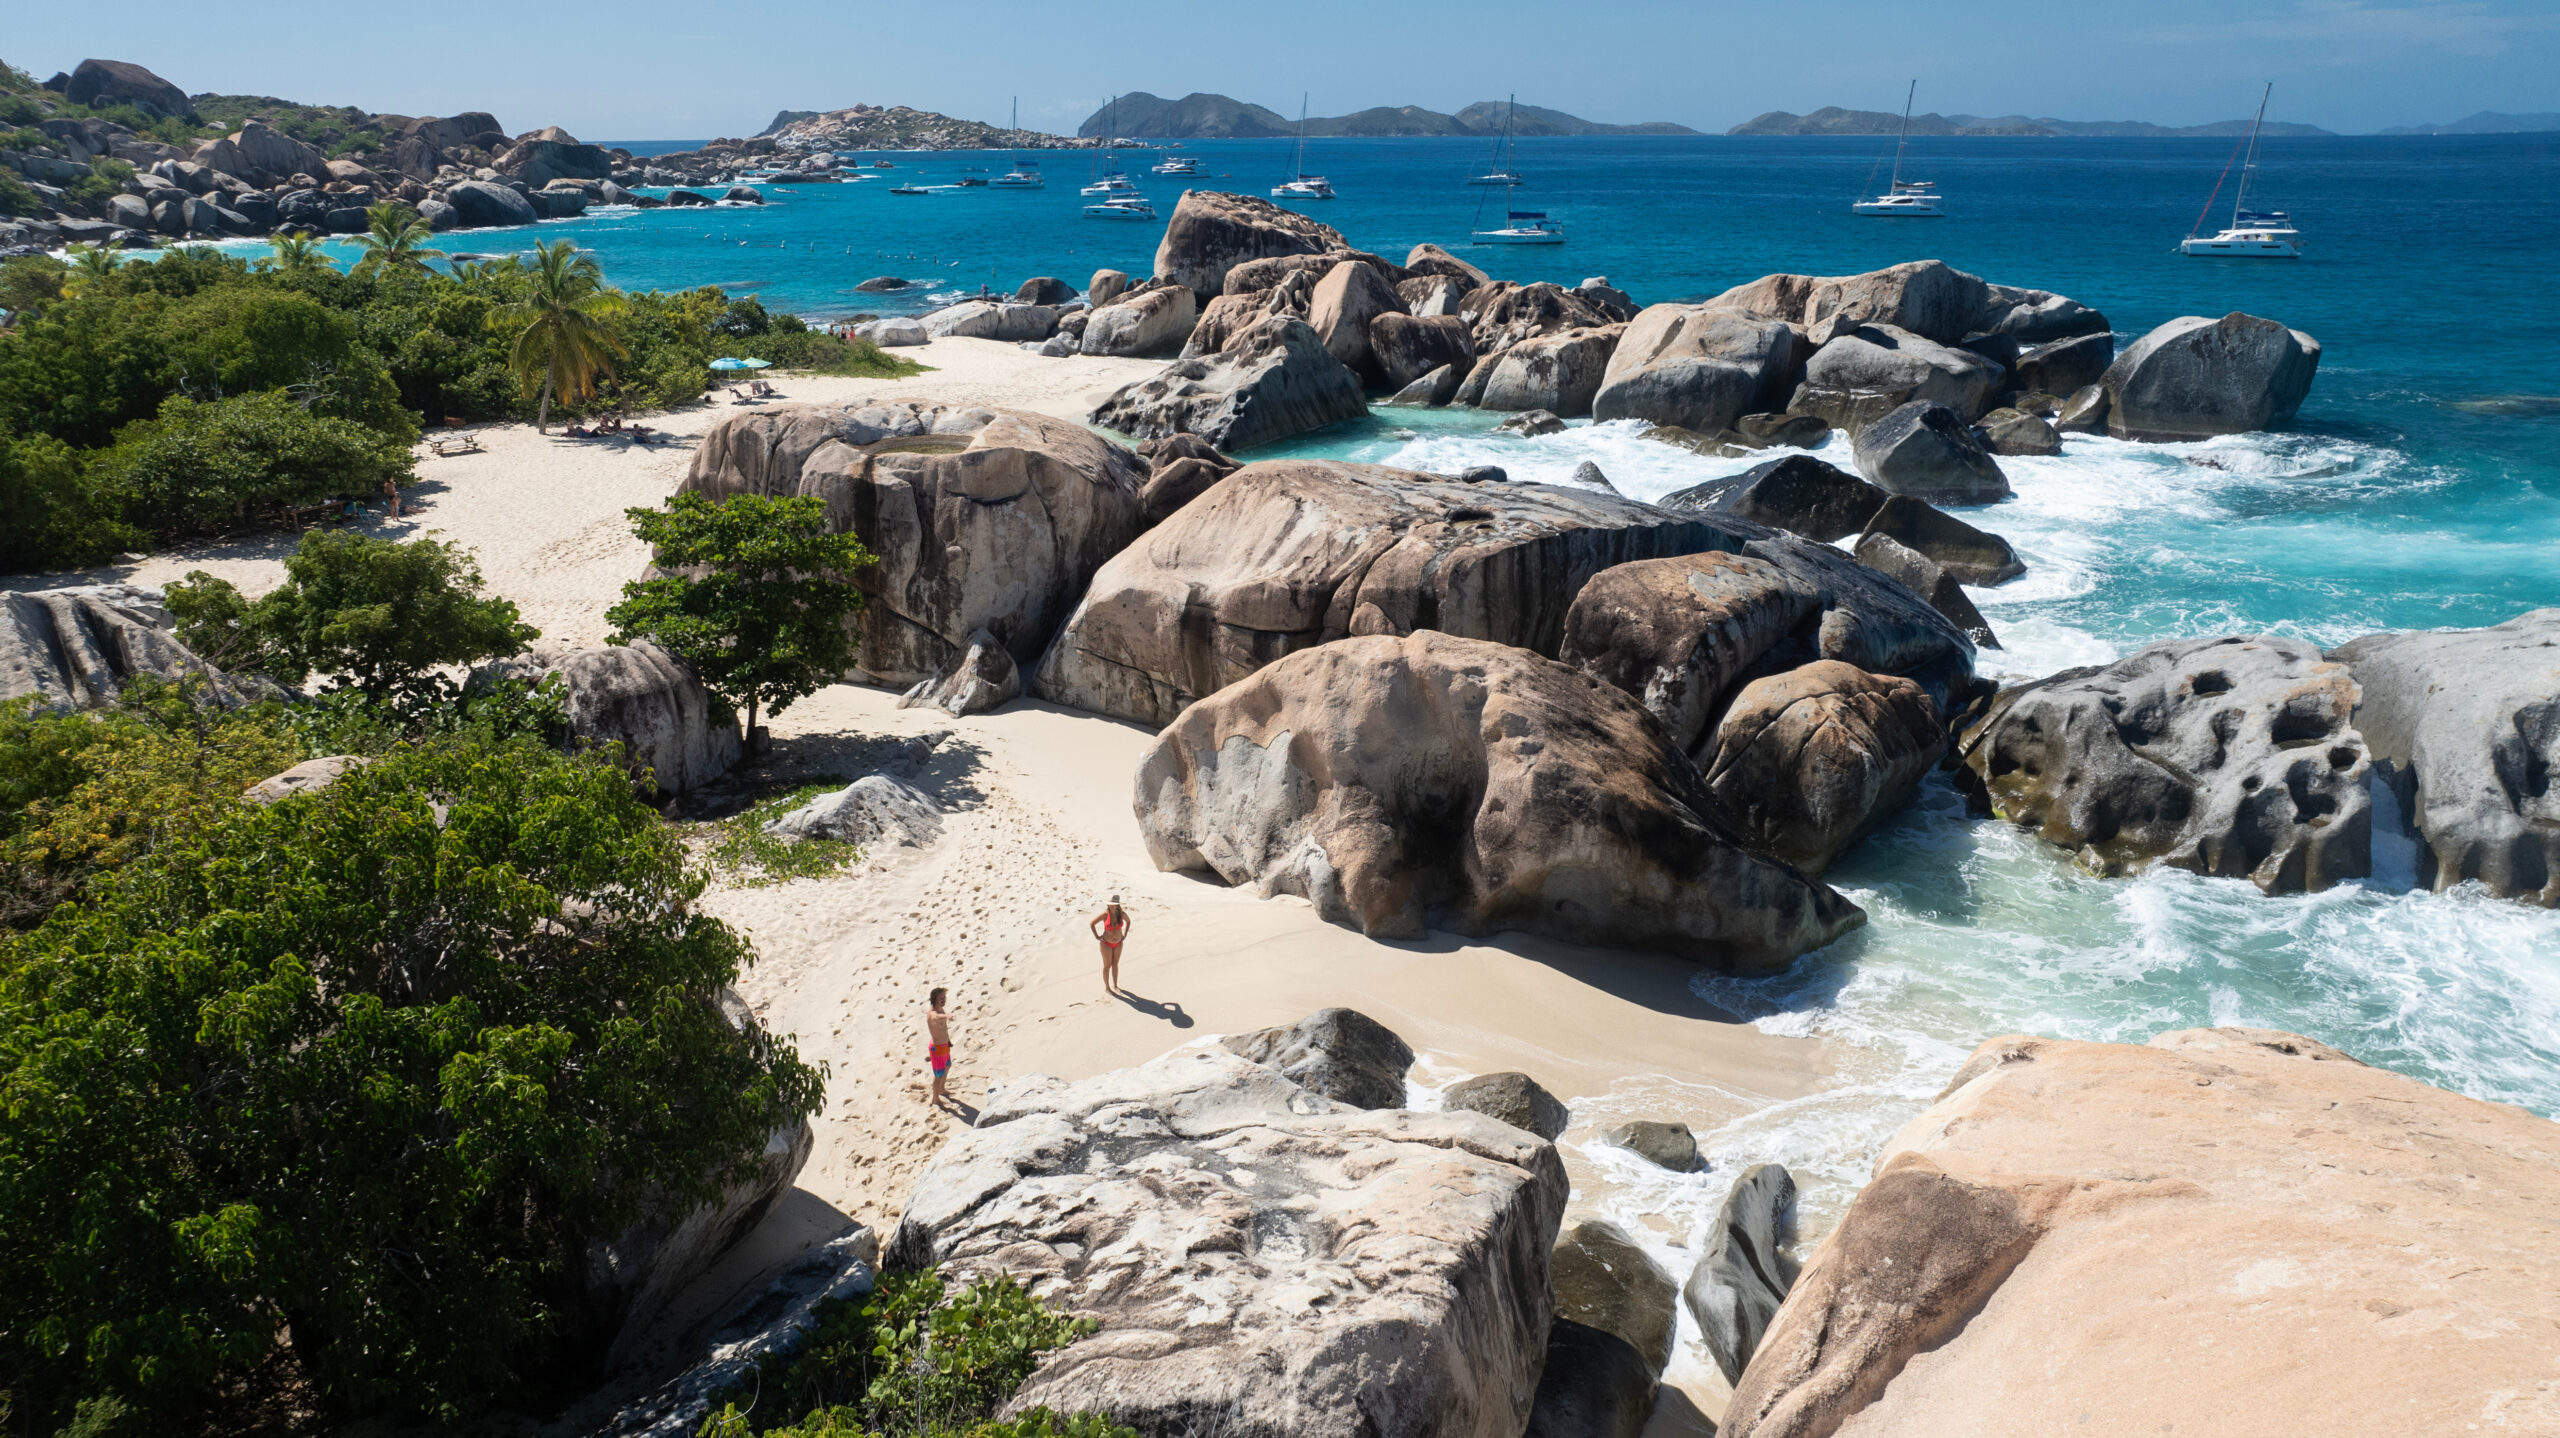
(1298,159)
(2250,164)
(1902,139)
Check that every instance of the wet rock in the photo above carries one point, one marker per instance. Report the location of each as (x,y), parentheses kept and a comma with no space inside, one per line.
(1531,423)
(1273,381)
(1342,1054)
(1431,779)
(2232,757)
(2085,412)
(2009,431)
(1434,390)
(1930,580)
(2194,377)
(881,285)
(1971,555)
(1615,1311)
(1927,451)
(1808,762)
(1737,1288)
(1799,494)
(1514,1098)
(2066,365)
(1664,1145)
(1587,473)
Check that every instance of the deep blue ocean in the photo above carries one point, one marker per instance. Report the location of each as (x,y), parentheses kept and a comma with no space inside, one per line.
(2419,488)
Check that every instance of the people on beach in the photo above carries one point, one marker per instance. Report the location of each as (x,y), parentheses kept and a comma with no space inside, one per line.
(1111,928)
(937,1028)
(391,494)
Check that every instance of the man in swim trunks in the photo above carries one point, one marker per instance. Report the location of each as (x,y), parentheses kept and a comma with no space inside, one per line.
(937,1027)
(1111,927)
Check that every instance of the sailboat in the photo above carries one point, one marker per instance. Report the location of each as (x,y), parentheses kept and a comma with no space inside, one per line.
(1303,186)
(1502,173)
(1025,174)
(2252,234)
(1111,182)
(1906,199)
(1523,227)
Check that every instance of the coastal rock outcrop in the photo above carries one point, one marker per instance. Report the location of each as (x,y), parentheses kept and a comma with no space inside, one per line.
(1211,232)
(78,648)
(1146,323)
(1930,580)
(984,678)
(1808,762)
(1514,1098)
(1287,554)
(1558,372)
(1427,261)
(2464,725)
(2193,378)
(483,204)
(1658,1142)
(1343,1054)
(2233,757)
(1970,555)
(1346,301)
(1255,1251)
(2010,431)
(1406,347)
(982,520)
(1274,380)
(641,697)
(2063,366)
(1865,373)
(100,83)
(771,1321)
(1926,450)
(1737,1288)
(1506,313)
(1928,298)
(632,1276)
(1615,1311)
(1699,368)
(2297,1233)
(1799,494)
(1397,782)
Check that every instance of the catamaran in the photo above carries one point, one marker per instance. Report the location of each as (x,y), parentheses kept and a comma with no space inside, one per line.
(1111,182)
(1126,207)
(1502,173)
(1905,199)
(2252,234)
(1526,227)
(1304,186)
(1025,175)
(1179,165)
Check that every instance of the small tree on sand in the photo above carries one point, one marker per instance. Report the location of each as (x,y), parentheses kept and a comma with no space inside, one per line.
(756,594)
(562,341)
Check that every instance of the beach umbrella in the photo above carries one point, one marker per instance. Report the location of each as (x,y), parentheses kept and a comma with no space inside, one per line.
(733,363)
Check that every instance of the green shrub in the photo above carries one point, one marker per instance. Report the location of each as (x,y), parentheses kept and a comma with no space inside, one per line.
(748,856)
(51,516)
(16,199)
(336,1092)
(19,109)
(206,467)
(380,615)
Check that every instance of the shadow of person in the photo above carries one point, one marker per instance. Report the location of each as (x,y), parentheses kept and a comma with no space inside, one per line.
(962,1110)
(1170,1013)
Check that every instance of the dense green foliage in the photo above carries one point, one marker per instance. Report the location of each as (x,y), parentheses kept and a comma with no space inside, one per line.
(379,614)
(328,1098)
(93,462)
(758,596)
(857,1372)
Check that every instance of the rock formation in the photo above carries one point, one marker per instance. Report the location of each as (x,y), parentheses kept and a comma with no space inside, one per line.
(1699,368)
(1388,780)
(1514,1098)
(1256,1254)
(78,648)
(2464,725)
(1407,348)
(1272,381)
(1143,323)
(1799,494)
(1211,233)
(1662,1144)
(1930,580)
(1615,1309)
(1342,1054)
(2304,1243)
(1345,302)
(771,1321)
(984,678)
(874,810)
(641,697)
(1738,1286)
(2231,757)
(2194,377)
(1286,554)
(1862,374)
(982,520)
(1925,449)
(1808,762)
(1970,555)
(1557,372)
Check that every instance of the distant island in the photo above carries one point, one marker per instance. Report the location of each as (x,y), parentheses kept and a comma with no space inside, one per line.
(2487,122)
(899,127)
(1832,120)
(1221,117)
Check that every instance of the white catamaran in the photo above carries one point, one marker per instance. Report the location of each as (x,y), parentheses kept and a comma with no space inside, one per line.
(2252,234)
(1904,199)
(1112,182)
(1302,186)
(1525,227)
(1502,173)
(1025,174)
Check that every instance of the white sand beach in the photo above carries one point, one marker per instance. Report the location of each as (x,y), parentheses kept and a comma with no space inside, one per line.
(1041,834)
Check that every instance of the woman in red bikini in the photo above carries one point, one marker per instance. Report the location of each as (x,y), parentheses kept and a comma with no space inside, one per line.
(1111,928)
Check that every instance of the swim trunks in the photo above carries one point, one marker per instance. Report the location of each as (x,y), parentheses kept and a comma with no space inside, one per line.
(940,1055)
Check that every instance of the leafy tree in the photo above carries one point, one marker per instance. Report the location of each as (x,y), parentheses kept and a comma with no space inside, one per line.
(562,340)
(335,1094)
(758,596)
(380,614)
(201,468)
(51,516)
(395,238)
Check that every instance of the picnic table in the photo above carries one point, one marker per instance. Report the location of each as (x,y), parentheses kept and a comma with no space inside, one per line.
(445,447)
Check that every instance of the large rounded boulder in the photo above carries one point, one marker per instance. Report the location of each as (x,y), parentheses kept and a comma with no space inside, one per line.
(988,520)
(2194,378)
(1868,371)
(1926,450)
(1558,372)
(1395,783)
(1287,554)
(1346,301)
(1929,298)
(1808,762)
(1148,322)
(639,696)
(1699,368)
(1273,380)
(2232,757)
(1211,232)
(81,647)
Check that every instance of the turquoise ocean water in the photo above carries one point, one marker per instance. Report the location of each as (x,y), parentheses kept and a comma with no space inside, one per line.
(2414,492)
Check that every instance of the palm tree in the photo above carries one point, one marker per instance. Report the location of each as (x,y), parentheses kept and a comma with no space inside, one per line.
(298,254)
(89,264)
(564,342)
(395,238)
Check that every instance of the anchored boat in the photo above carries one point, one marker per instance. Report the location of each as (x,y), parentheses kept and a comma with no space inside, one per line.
(1903,199)
(1526,227)
(2252,234)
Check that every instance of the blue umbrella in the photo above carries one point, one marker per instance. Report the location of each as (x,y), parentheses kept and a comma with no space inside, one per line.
(741,364)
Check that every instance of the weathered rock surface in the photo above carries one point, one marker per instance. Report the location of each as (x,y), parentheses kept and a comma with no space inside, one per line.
(641,697)
(1344,304)
(2231,757)
(1431,260)
(1384,779)
(1432,390)
(1808,762)
(1514,1098)
(1230,315)
(1972,555)
(1044,290)
(1799,494)
(100,83)
(1926,450)
(2084,412)
(1699,368)
(1342,1054)
(1928,298)
(2464,725)
(2306,1243)
(1559,372)
(1212,232)
(1863,374)
(1149,323)
(1737,1287)
(78,648)
(985,677)
(481,204)
(2065,365)
(2009,431)
(1507,313)
(1256,1252)
(2194,377)
(1104,287)
(1930,580)
(1531,424)
(1274,380)
(771,1321)
(1286,554)
(1615,1311)
(1406,347)
(308,777)
(876,809)
(1180,468)
(1664,1145)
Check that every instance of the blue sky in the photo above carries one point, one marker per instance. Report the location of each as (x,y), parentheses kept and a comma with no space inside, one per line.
(654,69)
